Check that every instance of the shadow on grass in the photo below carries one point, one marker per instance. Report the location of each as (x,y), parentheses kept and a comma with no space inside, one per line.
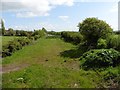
(72,53)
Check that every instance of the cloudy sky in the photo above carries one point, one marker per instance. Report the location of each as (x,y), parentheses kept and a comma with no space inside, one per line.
(56,15)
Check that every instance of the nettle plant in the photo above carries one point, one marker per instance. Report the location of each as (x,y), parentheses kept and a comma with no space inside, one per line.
(100,58)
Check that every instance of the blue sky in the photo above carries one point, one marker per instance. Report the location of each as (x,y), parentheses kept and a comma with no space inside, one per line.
(57,15)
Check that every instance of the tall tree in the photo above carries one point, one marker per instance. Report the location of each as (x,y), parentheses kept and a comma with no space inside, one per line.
(2,27)
(44,30)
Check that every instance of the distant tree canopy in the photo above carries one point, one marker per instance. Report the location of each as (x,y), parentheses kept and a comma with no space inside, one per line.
(54,33)
(39,33)
(117,32)
(92,29)
(11,32)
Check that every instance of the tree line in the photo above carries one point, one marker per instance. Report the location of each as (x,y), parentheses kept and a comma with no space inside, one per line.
(12,32)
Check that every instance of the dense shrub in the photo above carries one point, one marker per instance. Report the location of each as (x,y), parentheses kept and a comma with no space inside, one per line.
(5,51)
(112,73)
(73,37)
(92,29)
(112,77)
(101,44)
(100,58)
(113,41)
(31,38)
(14,45)
(36,37)
(24,41)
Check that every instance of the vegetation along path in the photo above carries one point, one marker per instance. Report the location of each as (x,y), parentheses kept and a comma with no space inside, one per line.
(42,65)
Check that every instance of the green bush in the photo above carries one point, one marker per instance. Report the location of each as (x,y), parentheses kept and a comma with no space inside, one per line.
(5,51)
(92,29)
(111,74)
(24,41)
(14,45)
(112,77)
(31,38)
(27,41)
(100,58)
(101,44)
(36,37)
(114,42)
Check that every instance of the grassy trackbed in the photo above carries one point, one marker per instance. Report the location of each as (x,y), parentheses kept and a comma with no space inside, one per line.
(41,65)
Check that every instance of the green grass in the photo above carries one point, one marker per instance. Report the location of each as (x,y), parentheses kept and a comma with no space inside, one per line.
(39,76)
(44,67)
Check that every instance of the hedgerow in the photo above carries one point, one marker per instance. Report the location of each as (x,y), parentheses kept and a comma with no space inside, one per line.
(14,45)
(73,37)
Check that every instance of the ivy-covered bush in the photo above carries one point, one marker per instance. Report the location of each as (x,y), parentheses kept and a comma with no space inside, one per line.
(100,58)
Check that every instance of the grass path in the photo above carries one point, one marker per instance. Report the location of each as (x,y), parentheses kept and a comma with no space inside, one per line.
(41,65)
(44,51)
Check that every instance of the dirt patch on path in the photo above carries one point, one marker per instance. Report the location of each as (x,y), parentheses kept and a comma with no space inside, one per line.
(13,67)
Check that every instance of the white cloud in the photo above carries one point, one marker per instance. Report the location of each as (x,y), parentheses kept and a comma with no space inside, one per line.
(32,8)
(64,18)
(26,14)
(61,2)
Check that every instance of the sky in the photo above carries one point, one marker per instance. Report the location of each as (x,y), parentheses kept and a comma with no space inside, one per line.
(56,15)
